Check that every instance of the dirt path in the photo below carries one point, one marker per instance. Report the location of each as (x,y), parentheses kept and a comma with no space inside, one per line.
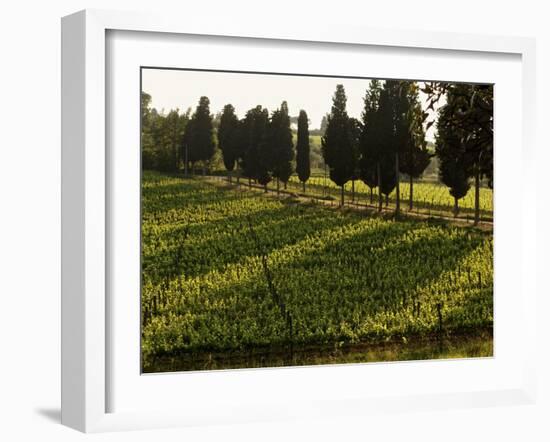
(372,210)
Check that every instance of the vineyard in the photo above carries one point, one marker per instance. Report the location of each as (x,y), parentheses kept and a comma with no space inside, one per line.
(428,198)
(228,272)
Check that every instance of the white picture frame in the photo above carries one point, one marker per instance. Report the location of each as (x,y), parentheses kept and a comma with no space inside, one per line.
(86,206)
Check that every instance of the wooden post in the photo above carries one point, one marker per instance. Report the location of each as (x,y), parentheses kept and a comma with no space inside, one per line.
(186,162)
(455,210)
(476,195)
(410,192)
(379,187)
(325,180)
(397,195)
(291,334)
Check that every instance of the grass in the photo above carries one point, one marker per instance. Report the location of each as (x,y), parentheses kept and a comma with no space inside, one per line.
(479,345)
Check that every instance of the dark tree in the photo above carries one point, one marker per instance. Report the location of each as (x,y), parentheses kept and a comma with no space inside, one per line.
(228,138)
(255,159)
(470,115)
(279,147)
(355,128)
(241,145)
(186,146)
(387,178)
(302,149)
(397,135)
(148,152)
(324,124)
(174,126)
(414,156)
(369,143)
(473,105)
(161,137)
(451,153)
(401,129)
(338,143)
(198,142)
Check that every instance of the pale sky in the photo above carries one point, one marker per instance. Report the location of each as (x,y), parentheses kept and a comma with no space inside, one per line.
(178,89)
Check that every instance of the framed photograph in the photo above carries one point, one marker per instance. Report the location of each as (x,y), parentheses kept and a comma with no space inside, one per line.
(265,224)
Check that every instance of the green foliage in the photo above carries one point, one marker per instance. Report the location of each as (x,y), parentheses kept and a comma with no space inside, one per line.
(369,143)
(228,137)
(199,134)
(205,289)
(465,138)
(388,142)
(324,124)
(471,107)
(338,141)
(256,160)
(385,121)
(302,148)
(279,144)
(161,137)
(453,167)
(414,156)
(392,140)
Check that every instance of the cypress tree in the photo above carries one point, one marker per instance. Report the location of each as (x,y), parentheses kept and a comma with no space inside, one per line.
(302,149)
(256,157)
(387,179)
(401,129)
(355,128)
(228,138)
(174,128)
(337,143)
(324,123)
(451,152)
(369,145)
(414,156)
(398,132)
(199,134)
(241,145)
(279,146)
(185,145)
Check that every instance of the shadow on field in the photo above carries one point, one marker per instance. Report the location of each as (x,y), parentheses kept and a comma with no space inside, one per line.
(342,282)
(227,241)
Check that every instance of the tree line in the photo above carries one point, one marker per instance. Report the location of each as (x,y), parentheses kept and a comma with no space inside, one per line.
(387,143)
